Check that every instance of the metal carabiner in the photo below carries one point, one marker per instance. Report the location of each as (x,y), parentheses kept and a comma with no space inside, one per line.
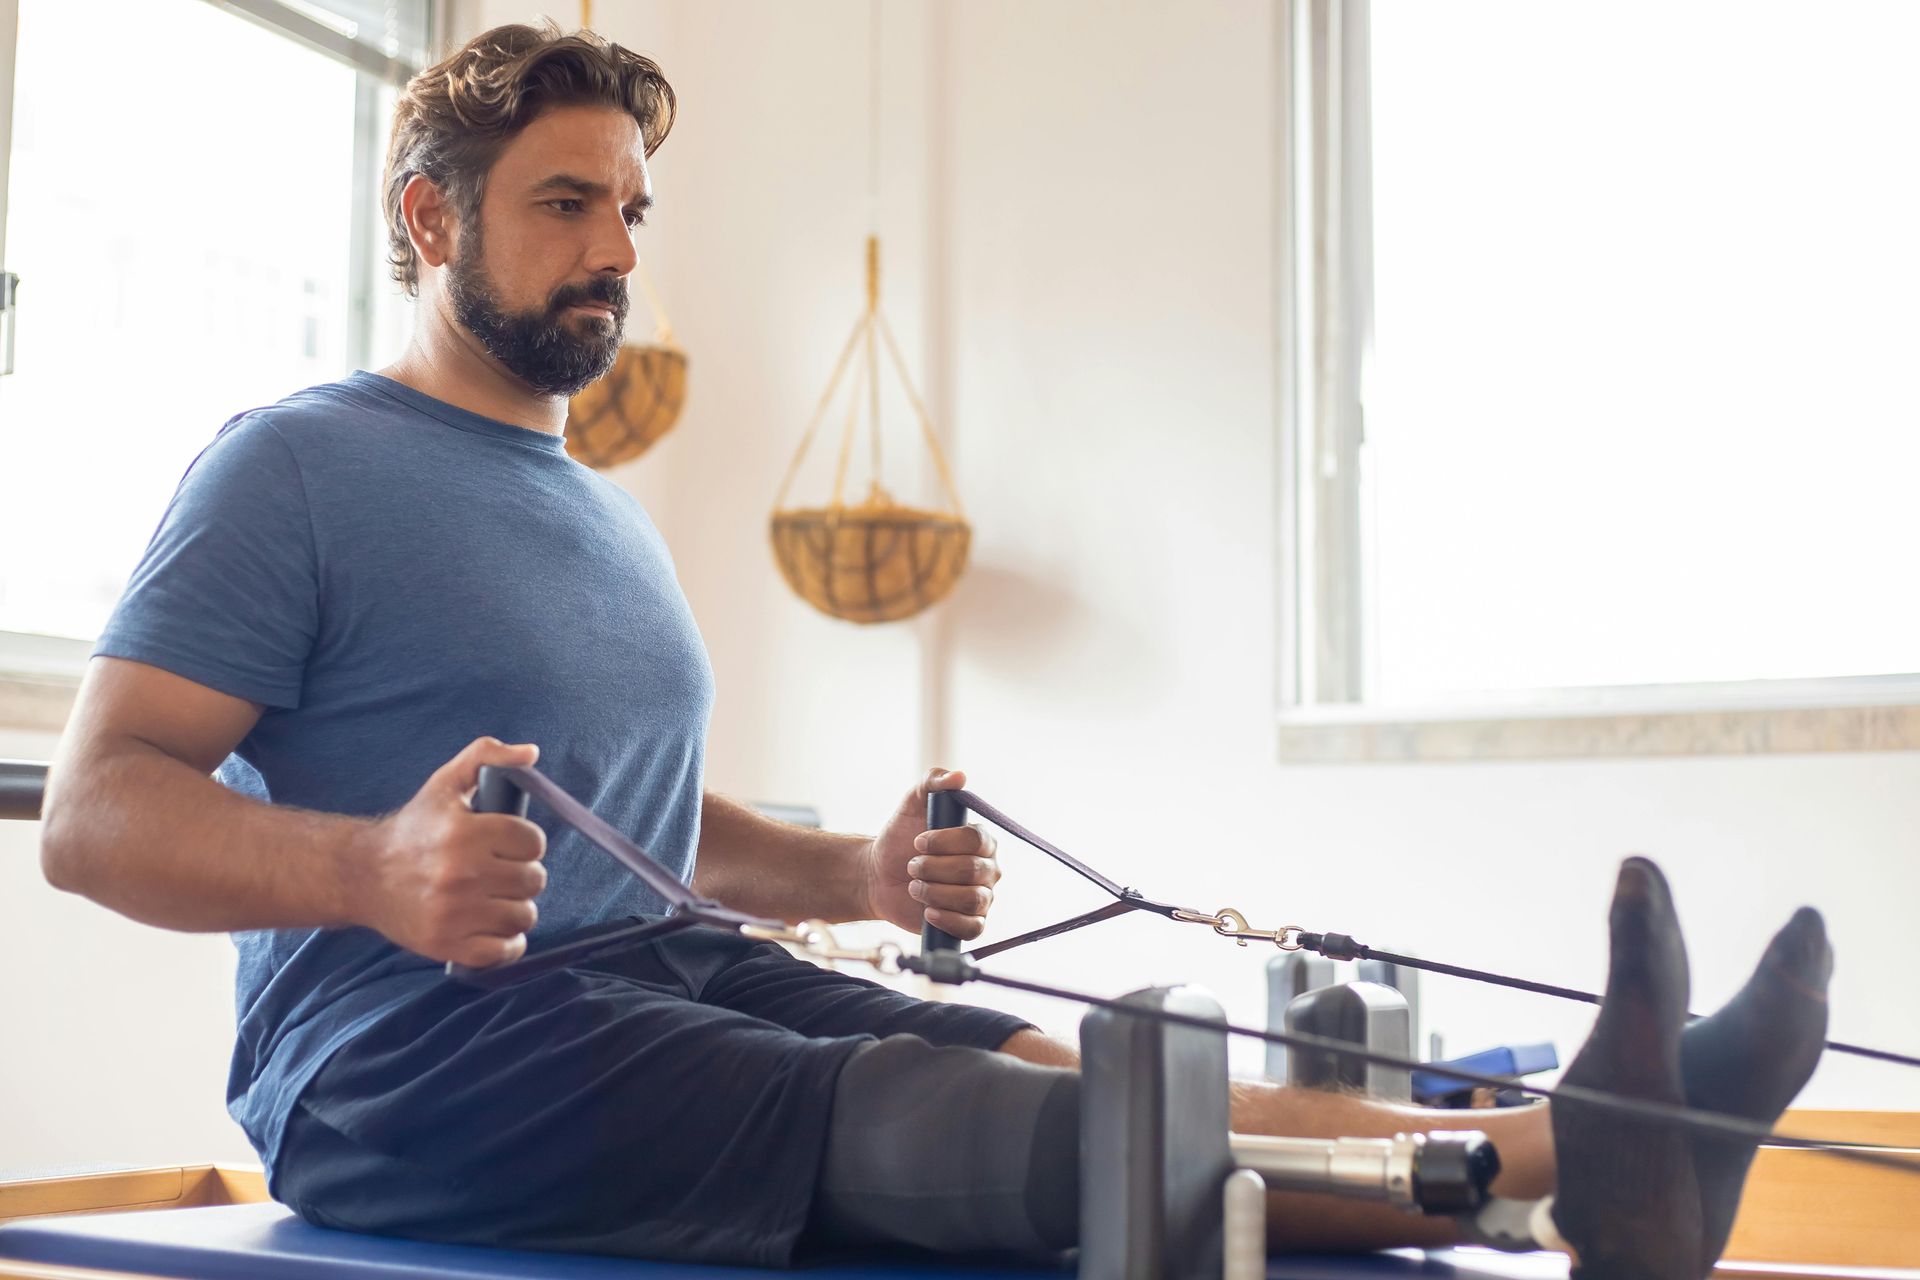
(815,939)
(1229,923)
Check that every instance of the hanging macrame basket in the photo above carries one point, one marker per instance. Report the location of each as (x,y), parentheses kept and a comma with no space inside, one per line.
(876,560)
(619,417)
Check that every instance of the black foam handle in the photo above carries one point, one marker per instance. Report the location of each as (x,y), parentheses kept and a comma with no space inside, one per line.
(944,809)
(496,792)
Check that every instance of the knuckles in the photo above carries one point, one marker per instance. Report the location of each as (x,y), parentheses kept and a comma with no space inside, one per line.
(957,870)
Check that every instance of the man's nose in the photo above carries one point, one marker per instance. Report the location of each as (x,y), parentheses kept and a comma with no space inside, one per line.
(612,247)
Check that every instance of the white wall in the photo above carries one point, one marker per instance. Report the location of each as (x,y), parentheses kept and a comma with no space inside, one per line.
(113,1037)
(1087,268)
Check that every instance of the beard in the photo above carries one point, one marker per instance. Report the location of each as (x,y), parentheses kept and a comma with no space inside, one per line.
(541,347)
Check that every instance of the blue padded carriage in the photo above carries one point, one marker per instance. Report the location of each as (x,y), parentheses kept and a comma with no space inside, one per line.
(267,1242)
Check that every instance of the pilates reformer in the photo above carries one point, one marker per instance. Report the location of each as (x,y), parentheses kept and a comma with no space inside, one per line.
(1167,1190)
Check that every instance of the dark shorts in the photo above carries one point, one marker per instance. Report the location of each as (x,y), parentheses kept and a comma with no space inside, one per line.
(671,1101)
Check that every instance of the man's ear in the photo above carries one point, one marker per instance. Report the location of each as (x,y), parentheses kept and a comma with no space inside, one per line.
(429,219)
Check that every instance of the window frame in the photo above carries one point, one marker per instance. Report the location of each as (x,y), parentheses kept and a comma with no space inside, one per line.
(9,41)
(38,673)
(1323,329)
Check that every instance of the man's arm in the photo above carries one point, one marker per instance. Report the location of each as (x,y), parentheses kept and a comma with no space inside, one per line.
(905,875)
(133,821)
(756,864)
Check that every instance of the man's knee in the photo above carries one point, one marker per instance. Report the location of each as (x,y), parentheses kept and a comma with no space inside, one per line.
(956,1149)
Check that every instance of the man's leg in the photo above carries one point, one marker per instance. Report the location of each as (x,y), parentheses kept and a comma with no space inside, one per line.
(574,1110)
(1295,1221)
(1749,1060)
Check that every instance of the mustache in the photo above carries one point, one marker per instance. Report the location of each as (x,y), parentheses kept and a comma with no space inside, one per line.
(605,291)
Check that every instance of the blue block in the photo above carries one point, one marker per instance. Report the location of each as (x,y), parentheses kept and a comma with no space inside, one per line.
(1511,1061)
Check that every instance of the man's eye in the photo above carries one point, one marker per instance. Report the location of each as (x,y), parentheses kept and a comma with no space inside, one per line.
(636,219)
(558,203)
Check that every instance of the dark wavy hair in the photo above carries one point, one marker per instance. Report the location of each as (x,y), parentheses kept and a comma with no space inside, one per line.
(454,118)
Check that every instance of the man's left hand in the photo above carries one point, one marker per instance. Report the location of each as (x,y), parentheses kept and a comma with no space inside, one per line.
(944,877)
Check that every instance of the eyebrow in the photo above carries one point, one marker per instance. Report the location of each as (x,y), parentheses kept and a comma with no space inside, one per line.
(582,187)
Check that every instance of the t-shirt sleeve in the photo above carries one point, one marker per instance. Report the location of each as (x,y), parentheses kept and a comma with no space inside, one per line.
(227,593)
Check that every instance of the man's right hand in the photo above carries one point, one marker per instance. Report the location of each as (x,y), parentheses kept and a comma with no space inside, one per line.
(446,882)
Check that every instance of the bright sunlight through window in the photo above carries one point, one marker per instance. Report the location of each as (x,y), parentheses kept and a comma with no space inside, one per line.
(1641,406)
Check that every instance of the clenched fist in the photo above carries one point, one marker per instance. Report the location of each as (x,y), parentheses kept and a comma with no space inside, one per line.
(446,882)
(943,878)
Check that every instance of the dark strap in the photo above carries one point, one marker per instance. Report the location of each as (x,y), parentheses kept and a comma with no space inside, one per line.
(615,938)
(690,907)
(1134,901)
(1094,916)
(955,968)
(685,907)
(1335,946)
(681,899)
(1340,946)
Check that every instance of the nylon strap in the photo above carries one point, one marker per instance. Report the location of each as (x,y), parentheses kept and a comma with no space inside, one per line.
(687,907)
(684,906)
(630,933)
(954,967)
(1094,916)
(1339,946)
(1335,946)
(1135,901)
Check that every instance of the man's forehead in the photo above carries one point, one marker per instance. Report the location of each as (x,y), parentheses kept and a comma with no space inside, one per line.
(602,145)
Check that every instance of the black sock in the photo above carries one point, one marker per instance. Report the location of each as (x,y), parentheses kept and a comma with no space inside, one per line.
(1751,1059)
(1626,1198)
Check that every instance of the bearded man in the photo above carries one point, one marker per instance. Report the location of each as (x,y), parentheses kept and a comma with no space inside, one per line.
(393,577)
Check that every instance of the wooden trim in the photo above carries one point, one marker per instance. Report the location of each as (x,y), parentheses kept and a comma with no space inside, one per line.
(1811,1208)
(124,1191)
(236,1184)
(12,1270)
(1874,1128)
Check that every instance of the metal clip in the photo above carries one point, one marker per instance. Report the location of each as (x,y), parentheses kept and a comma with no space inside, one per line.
(1229,923)
(815,938)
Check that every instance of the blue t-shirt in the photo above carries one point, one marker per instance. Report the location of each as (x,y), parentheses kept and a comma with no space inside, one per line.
(392,577)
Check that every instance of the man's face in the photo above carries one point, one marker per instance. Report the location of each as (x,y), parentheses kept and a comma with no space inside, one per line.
(541,278)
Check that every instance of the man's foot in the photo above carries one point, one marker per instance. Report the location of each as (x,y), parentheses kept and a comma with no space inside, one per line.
(1751,1059)
(1627,1199)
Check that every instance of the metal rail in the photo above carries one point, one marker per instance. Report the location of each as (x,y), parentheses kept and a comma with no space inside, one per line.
(23,784)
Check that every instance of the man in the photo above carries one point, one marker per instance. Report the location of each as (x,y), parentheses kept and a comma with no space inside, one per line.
(389,578)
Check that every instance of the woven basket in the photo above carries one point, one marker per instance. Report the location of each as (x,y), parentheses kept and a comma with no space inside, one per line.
(877,562)
(618,417)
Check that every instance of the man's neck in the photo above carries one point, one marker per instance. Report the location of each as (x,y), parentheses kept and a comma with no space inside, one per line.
(446,362)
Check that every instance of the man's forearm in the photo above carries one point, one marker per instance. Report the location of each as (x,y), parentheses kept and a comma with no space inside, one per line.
(155,839)
(755,864)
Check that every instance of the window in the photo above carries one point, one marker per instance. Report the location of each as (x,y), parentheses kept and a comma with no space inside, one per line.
(188,246)
(1600,322)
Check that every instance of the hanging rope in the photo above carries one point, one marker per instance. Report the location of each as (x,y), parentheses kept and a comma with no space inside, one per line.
(920,412)
(819,412)
(873,234)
